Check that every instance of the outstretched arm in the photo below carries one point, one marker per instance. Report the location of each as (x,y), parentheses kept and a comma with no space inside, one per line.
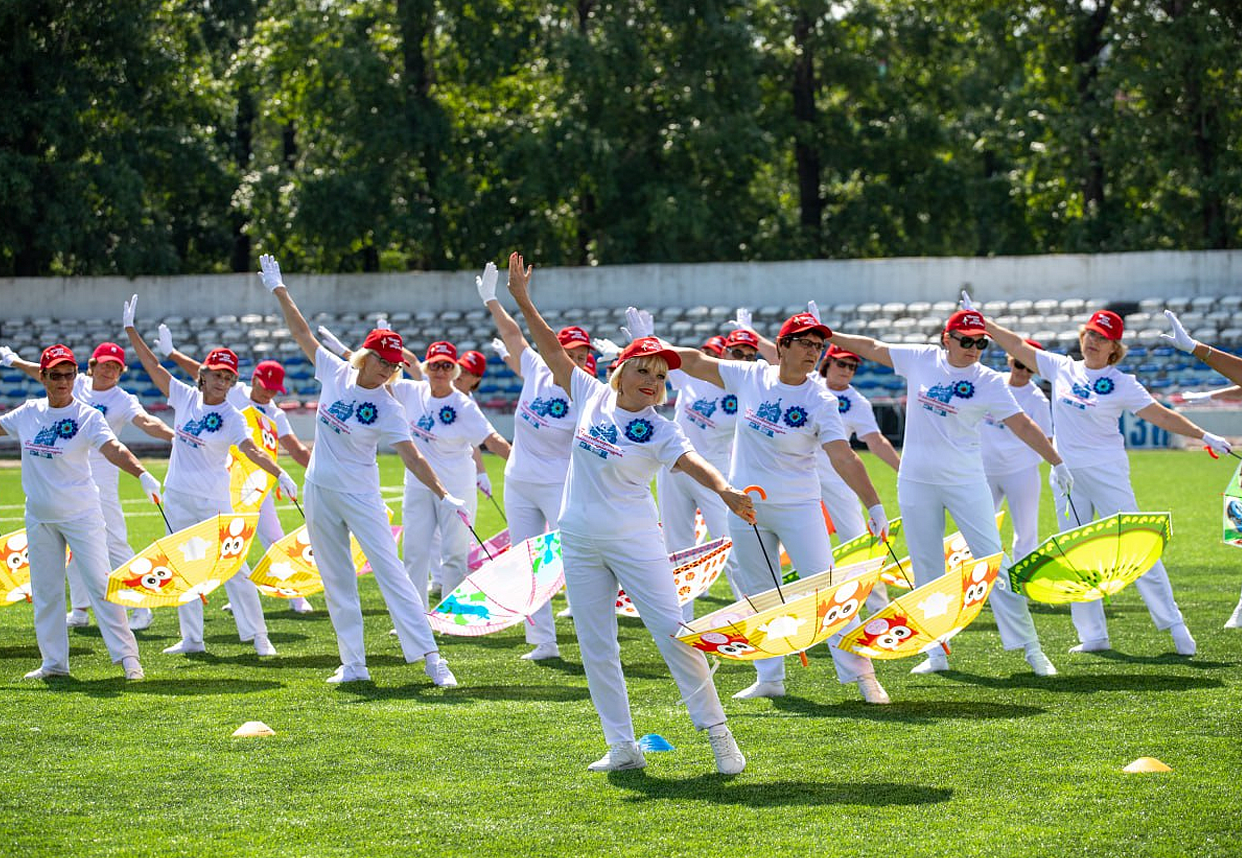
(296,322)
(159,376)
(8,357)
(865,347)
(1171,421)
(706,475)
(550,348)
(153,426)
(698,365)
(508,329)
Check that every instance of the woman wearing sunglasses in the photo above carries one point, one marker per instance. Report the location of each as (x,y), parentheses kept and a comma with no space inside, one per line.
(948,395)
(1088,397)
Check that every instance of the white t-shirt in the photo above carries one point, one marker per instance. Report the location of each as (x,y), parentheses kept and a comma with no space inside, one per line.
(1086,408)
(446,430)
(239,398)
(118,408)
(1004,452)
(56,472)
(779,429)
(202,437)
(350,425)
(858,418)
(944,406)
(543,426)
(708,416)
(615,455)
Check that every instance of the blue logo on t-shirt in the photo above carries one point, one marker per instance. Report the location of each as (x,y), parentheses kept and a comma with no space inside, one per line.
(341,410)
(447,415)
(940,392)
(100,407)
(769,411)
(60,430)
(367,413)
(555,407)
(426,423)
(605,432)
(795,416)
(964,389)
(211,422)
(639,431)
(1103,386)
(728,403)
(843,404)
(706,407)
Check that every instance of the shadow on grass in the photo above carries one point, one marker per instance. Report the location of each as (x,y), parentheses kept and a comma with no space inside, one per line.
(424,692)
(116,686)
(904,712)
(274,637)
(31,653)
(1163,658)
(1089,683)
(715,789)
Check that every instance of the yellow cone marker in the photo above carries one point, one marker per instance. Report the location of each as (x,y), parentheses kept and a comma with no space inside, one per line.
(1146,764)
(253,728)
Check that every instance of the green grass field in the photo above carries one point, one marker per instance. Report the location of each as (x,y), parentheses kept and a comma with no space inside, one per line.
(985,760)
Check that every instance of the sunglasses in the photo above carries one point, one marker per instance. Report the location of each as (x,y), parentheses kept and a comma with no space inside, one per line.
(1017,364)
(62,376)
(742,354)
(441,366)
(807,343)
(979,343)
(847,365)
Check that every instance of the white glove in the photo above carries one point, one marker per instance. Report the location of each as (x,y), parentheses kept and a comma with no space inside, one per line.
(164,343)
(7,356)
(287,485)
(1217,444)
(1060,479)
(486,284)
(608,350)
(127,317)
(877,522)
(813,309)
(1180,338)
(1196,395)
(270,273)
(329,339)
(483,482)
(452,504)
(967,304)
(382,324)
(499,347)
(150,487)
(741,320)
(640,324)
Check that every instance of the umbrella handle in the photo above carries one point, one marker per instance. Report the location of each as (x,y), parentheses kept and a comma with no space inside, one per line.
(889,546)
(476,539)
(775,578)
(299,506)
(160,507)
(503,517)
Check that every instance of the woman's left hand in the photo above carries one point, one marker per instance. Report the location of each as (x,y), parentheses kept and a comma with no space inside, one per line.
(739,503)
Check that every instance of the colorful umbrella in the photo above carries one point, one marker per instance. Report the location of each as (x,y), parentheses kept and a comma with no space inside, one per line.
(288,569)
(1231,510)
(865,547)
(901,573)
(1093,561)
(495,546)
(186,565)
(927,616)
(763,626)
(504,591)
(248,483)
(14,568)
(694,570)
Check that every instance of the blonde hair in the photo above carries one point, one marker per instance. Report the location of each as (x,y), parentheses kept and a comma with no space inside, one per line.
(456,367)
(655,363)
(202,374)
(1119,348)
(357,358)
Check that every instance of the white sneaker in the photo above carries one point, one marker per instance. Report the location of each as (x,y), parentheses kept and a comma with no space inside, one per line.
(184,647)
(262,646)
(543,651)
(1182,641)
(439,672)
(872,691)
(133,670)
(1235,619)
(1092,646)
(567,613)
(141,619)
(622,756)
(729,759)
(349,674)
(227,608)
(935,663)
(45,673)
(761,689)
(301,605)
(78,618)
(392,633)
(1040,663)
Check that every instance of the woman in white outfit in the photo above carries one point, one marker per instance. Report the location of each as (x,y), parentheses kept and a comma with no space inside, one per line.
(1011,467)
(100,389)
(783,419)
(62,509)
(610,530)
(356,414)
(543,431)
(1088,397)
(197,483)
(948,394)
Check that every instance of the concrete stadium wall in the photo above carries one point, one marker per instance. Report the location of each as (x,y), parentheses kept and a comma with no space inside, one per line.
(1118,276)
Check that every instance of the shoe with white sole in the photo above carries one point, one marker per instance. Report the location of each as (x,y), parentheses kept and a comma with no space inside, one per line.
(301,605)
(437,668)
(1092,646)
(761,689)
(133,669)
(263,646)
(349,674)
(1235,619)
(543,651)
(872,691)
(621,757)
(141,619)
(935,663)
(45,673)
(1040,663)
(77,618)
(185,647)
(729,759)
(567,613)
(227,608)
(1182,641)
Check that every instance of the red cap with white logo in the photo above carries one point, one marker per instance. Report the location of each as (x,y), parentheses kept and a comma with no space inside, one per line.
(386,344)
(1107,324)
(715,345)
(473,362)
(105,352)
(53,355)
(591,366)
(650,347)
(221,359)
(742,337)
(802,322)
(270,375)
(573,337)
(841,354)
(441,349)
(968,322)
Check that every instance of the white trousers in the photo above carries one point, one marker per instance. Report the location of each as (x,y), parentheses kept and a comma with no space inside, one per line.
(1098,491)
(681,496)
(800,527)
(184,510)
(532,509)
(594,568)
(269,523)
(46,549)
(847,519)
(422,517)
(331,516)
(115,535)
(922,512)
(1021,489)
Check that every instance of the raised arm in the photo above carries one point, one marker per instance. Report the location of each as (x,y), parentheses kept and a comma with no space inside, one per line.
(508,329)
(698,365)
(865,347)
(8,357)
(550,348)
(294,320)
(1230,366)
(159,376)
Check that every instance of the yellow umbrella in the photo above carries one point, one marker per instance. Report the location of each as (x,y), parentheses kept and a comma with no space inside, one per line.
(248,483)
(288,569)
(901,574)
(186,565)
(14,568)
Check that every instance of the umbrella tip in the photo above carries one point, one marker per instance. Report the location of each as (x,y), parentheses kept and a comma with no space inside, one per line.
(1146,764)
(654,742)
(253,728)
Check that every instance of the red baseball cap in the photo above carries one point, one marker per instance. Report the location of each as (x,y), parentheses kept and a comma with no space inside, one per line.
(742,337)
(441,349)
(573,337)
(109,352)
(969,322)
(1035,344)
(387,344)
(1107,324)
(840,354)
(650,347)
(802,322)
(473,362)
(53,355)
(221,359)
(715,345)
(270,375)
(590,364)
